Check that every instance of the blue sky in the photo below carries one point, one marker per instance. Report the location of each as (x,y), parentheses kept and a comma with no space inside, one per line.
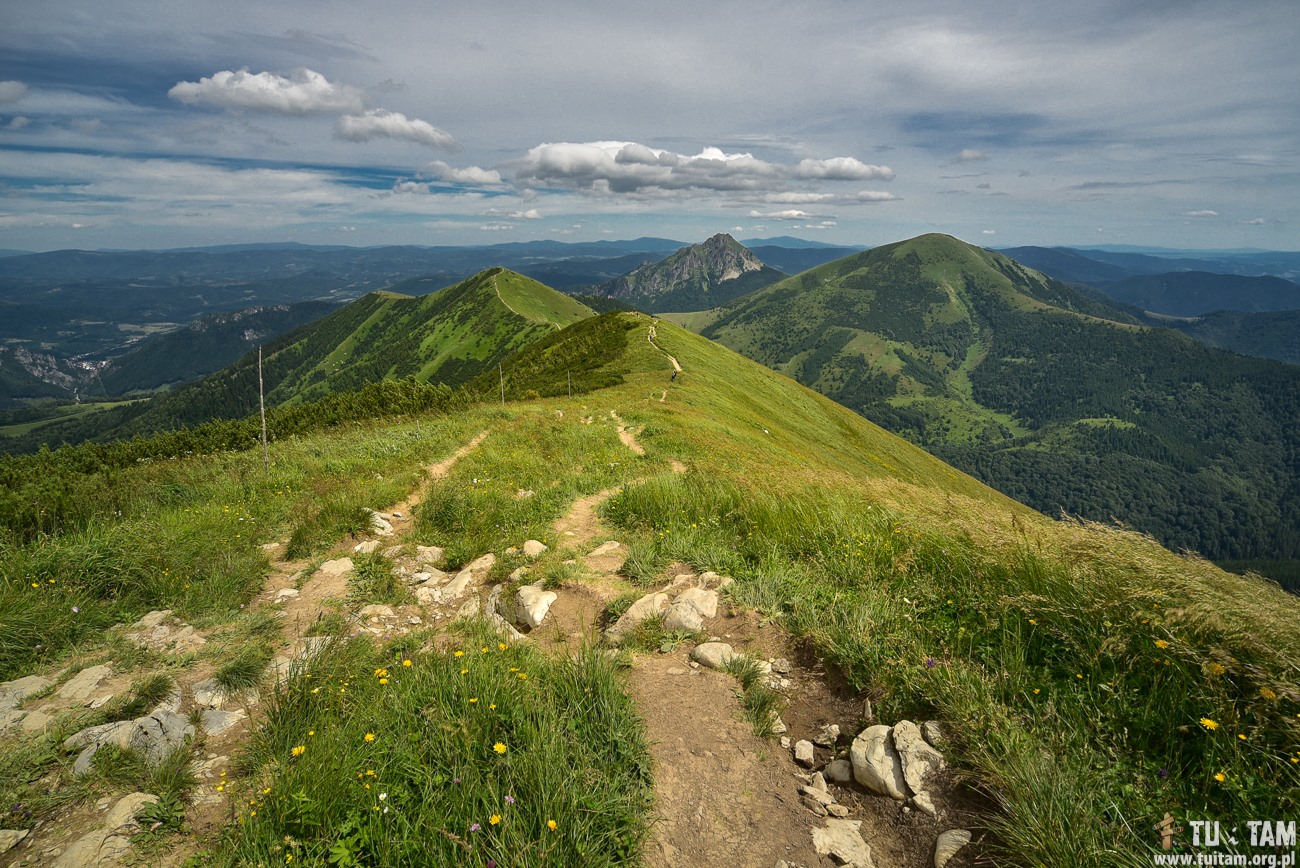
(145,125)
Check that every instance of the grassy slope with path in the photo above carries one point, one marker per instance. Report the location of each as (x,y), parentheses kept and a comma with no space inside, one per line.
(1075,665)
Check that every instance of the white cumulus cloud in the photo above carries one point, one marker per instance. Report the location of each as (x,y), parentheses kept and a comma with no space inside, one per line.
(440,171)
(630,167)
(971,155)
(303,92)
(381,123)
(842,169)
(11,91)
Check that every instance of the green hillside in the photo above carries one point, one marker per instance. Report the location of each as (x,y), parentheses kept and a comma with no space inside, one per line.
(1086,681)
(447,336)
(1048,395)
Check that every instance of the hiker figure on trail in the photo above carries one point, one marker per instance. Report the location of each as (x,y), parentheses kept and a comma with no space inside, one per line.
(674,377)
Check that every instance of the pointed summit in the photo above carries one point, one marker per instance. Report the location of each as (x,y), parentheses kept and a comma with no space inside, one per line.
(698,277)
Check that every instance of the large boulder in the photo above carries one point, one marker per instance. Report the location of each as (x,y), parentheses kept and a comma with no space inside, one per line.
(876,764)
(916,755)
(841,840)
(532,602)
(713,655)
(690,609)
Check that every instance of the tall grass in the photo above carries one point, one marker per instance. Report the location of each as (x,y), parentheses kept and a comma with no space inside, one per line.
(472,752)
(1083,692)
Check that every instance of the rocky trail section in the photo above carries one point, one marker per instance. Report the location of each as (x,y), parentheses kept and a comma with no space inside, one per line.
(723,796)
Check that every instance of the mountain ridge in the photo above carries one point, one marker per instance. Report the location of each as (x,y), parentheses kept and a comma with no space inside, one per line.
(695,277)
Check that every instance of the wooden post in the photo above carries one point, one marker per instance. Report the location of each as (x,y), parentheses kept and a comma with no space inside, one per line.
(261,402)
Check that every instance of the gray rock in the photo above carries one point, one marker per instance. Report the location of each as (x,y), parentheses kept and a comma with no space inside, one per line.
(532,603)
(828,735)
(534,548)
(837,810)
(702,600)
(841,840)
(12,693)
(429,576)
(336,567)
(495,603)
(948,845)
(609,556)
(469,608)
(840,771)
(393,552)
(820,796)
(923,803)
(118,733)
(714,655)
(379,524)
(781,666)
(35,721)
(83,685)
(284,595)
(643,609)
(876,764)
(109,843)
(426,596)
(818,781)
(216,722)
(933,733)
(803,752)
(366,547)
(376,611)
(158,734)
(428,554)
(683,618)
(917,757)
(10,838)
(813,805)
(209,694)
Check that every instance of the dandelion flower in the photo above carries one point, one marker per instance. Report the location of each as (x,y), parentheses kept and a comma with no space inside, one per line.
(370,736)
(459,654)
(1241,735)
(1209,724)
(473,700)
(406,662)
(383,681)
(501,646)
(494,819)
(1162,643)
(499,747)
(1217,669)
(1267,693)
(1220,777)
(1036,691)
(299,750)
(550,824)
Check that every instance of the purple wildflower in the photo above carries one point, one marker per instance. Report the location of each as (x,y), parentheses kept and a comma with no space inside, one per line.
(510,800)
(475,827)
(929,663)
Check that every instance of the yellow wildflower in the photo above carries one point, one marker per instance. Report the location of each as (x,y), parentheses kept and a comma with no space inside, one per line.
(1162,644)
(406,662)
(1217,669)
(459,654)
(550,824)
(499,747)
(1209,724)
(494,819)
(1267,693)
(370,736)
(299,750)
(1220,777)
